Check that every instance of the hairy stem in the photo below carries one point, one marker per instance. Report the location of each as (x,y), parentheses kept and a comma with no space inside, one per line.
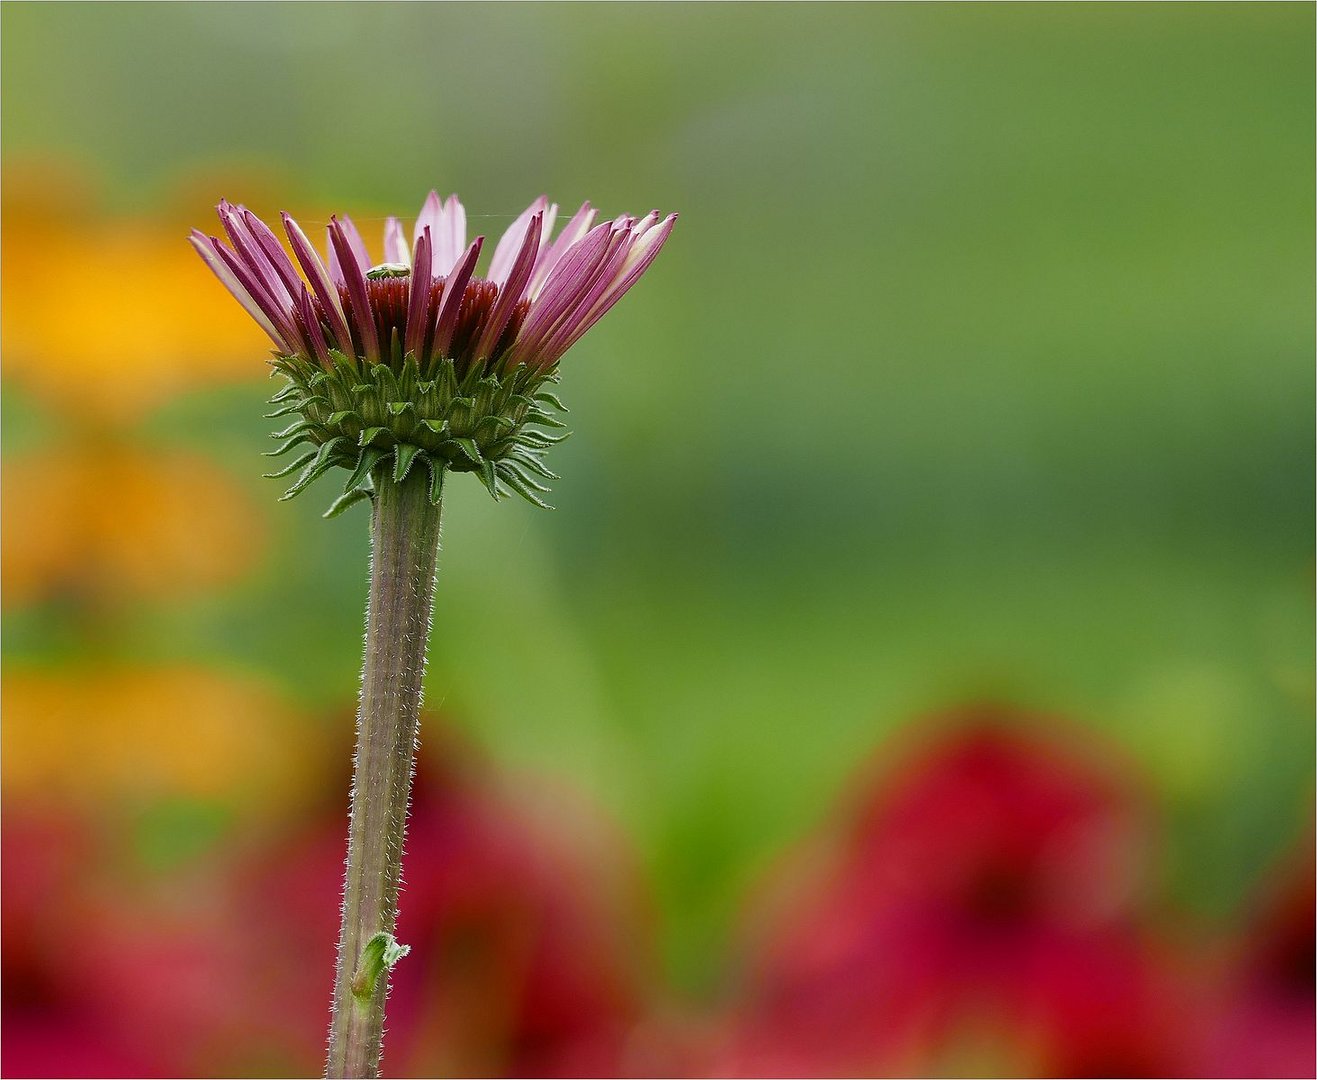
(404,549)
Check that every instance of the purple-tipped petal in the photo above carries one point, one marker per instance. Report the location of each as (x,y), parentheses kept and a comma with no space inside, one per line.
(645,224)
(576,271)
(324,289)
(395,243)
(432,212)
(204,248)
(355,243)
(511,291)
(245,245)
(642,253)
(546,230)
(335,270)
(454,290)
(249,252)
(314,335)
(362,314)
(419,301)
(313,306)
(450,240)
(276,313)
(550,254)
(553,344)
(274,252)
(645,250)
(509,245)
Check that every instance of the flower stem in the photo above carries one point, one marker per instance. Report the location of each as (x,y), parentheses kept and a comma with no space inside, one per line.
(404,550)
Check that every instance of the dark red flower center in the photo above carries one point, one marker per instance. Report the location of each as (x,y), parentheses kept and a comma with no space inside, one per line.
(389,300)
(1000,893)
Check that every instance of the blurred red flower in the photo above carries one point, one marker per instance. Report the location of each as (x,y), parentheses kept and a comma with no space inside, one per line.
(976,910)
(53,1025)
(1265,1022)
(529,948)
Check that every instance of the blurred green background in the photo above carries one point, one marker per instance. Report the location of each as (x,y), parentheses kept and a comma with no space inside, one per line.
(980,365)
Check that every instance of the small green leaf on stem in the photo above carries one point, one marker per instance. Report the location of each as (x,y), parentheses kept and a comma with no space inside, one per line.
(379,955)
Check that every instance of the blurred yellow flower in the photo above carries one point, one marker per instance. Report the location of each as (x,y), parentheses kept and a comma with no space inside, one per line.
(103,521)
(136,735)
(139,322)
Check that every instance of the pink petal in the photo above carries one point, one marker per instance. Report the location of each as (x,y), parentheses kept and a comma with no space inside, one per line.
(432,212)
(645,250)
(335,270)
(260,295)
(249,252)
(314,335)
(450,240)
(319,279)
(355,243)
(553,344)
(395,243)
(454,290)
(642,253)
(511,291)
(203,243)
(551,253)
(362,313)
(274,252)
(509,246)
(645,224)
(419,301)
(570,280)
(546,230)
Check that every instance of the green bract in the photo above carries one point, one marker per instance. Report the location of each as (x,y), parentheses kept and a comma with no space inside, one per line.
(369,418)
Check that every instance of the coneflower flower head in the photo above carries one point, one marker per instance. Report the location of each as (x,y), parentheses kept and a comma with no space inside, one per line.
(416,358)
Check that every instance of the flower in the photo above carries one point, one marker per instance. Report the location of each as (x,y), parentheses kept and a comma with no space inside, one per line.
(100,522)
(146,287)
(243,744)
(417,356)
(52,1027)
(531,935)
(1262,1024)
(980,904)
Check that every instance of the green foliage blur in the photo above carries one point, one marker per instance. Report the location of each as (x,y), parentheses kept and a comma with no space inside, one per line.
(979,366)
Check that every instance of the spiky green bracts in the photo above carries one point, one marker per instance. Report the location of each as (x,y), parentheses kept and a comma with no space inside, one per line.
(366,417)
